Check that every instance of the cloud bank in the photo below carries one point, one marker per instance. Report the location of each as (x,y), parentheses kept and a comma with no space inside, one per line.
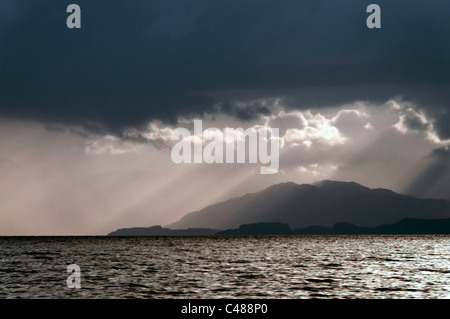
(132,62)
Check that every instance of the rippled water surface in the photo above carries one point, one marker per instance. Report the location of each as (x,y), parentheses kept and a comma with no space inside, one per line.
(227,267)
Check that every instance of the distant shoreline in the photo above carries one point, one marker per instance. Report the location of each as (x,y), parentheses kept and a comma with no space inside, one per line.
(205,236)
(408,226)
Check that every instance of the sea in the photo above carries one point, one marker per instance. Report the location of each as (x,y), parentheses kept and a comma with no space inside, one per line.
(226,267)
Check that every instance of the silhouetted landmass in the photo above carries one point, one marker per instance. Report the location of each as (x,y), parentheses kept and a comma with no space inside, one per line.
(259,229)
(416,226)
(160,231)
(325,203)
(412,226)
(409,226)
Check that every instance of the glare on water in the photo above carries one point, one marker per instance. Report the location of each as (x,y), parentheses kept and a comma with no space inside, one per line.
(227,267)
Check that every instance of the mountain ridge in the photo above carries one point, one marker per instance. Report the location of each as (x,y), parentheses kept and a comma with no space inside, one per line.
(322,203)
(158,230)
(408,226)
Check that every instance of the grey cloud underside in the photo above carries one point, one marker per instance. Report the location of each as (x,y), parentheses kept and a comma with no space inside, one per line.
(133,61)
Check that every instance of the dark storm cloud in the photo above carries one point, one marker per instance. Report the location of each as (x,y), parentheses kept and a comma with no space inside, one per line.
(138,60)
(442,125)
(245,110)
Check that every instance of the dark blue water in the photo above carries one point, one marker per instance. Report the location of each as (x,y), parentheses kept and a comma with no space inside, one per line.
(227,267)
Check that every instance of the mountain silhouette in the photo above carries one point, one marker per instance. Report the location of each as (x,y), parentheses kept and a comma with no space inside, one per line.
(405,226)
(160,231)
(324,203)
(259,229)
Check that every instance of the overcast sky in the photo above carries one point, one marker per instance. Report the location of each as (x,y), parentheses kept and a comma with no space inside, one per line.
(86,114)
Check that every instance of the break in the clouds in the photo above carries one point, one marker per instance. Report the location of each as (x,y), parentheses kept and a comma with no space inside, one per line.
(415,121)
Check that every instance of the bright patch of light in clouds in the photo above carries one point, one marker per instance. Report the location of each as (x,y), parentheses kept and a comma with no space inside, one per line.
(310,129)
(414,121)
(112,145)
